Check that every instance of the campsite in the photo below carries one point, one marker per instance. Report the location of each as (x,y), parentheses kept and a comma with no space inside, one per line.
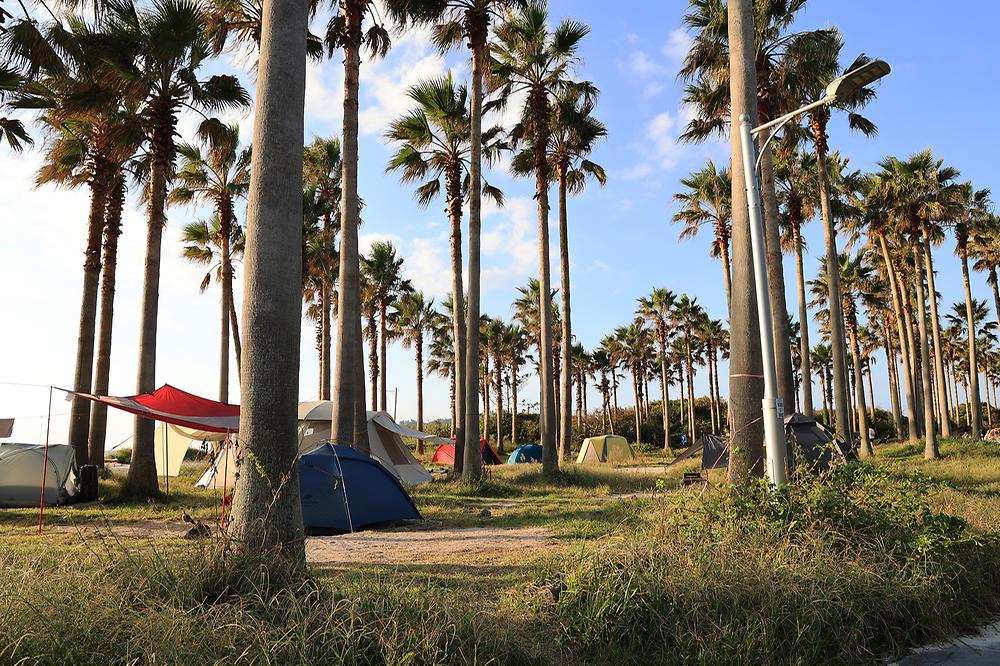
(499,332)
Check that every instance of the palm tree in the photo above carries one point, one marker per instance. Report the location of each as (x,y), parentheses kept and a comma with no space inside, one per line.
(267,514)
(238,25)
(822,364)
(442,356)
(530,58)
(708,200)
(971,316)
(416,317)
(435,145)
(323,170)
(345,30)
(657,309)
(218,176)
(984,247)
(685,316)
(715,338)
(573,134)
(975,211)
(155,52)
(517,352)
(383,271)
(633,348)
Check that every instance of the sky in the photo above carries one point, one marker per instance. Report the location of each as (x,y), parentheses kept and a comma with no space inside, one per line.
(941,95)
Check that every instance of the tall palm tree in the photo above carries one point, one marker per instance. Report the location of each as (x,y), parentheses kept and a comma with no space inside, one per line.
(219,176)
(416,317)
(323,170)
(529,57)
(267,513)
(685,316)
(715,338)
(156,51)
(657,309)
(973,214)
(517,355)
(573,134)
(708,200)
(434,145)
(441,361)
(382,269)
(346,31)
(822,364)
(984,247)
(968,316)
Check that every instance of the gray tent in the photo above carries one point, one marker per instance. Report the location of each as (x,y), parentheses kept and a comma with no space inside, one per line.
(818,445)
(21,471)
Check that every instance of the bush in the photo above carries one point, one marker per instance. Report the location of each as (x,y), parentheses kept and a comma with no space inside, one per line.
(122,456)
(842,568)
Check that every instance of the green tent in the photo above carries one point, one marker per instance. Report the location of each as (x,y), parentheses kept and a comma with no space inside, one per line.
(606,449)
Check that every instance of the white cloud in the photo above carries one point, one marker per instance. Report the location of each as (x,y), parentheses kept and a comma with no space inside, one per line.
(366,240)
(640,65)
(661,132)
(677,46)
(600,265)
(652,89)
(428,266)
(509,245)
(325,94)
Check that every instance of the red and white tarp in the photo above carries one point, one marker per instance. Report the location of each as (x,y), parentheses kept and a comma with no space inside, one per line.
(172,405)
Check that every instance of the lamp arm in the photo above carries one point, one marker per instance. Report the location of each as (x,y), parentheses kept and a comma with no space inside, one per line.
(781,121)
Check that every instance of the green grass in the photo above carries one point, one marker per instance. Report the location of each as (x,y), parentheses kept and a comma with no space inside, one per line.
(845,571)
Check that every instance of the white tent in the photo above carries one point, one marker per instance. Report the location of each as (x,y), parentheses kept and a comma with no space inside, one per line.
(383,439)
(221,472)
(171,442)
(21,471)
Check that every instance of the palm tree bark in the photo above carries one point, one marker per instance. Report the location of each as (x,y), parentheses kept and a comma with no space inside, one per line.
(930,436)
(893,369)
(383,348)
(664,389)
(977,417)
(458,319)
(225,227)
(566,410)
(940,385)
(325,365)
(837,342)
(776,280)
(499,387)
(806,370)
(638,401)
(420,388)
(267,514)
(692,429)
(727,270)
(141,480)
(746,385)
(347,392)
(79,418)
(234,325)
(900,315)
(859,392)
(102,370)
(513,405)
(912,352)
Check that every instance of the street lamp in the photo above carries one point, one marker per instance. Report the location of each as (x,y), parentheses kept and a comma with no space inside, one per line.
(839,89)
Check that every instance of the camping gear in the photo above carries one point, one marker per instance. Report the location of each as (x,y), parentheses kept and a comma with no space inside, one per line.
(526,453)
(22,468)
(445,454)
(172,405)
(384,439)
(817,444)
(606,449)
(714,452)
(88,484)
(344,490)
(693,479)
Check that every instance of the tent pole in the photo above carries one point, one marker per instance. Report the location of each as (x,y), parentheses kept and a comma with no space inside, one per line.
(166,460)
(225,474)
(343,484)
(45,462)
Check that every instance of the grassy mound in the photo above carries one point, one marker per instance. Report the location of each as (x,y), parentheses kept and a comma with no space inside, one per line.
(839,569)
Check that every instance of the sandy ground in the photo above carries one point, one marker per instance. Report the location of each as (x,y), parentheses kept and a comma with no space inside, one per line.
(443,546)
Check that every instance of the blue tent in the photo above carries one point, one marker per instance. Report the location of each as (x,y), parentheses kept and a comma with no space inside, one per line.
(526,453)
(344,490)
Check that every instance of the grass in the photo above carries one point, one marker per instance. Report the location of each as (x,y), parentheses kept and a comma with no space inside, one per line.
(845,571)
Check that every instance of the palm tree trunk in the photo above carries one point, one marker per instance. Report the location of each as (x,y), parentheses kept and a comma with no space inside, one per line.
(383,343)
(102,371)
(977,417)
(806,370)
(499,387)
(871,391)
(79,419)
(267,514)
(890,361)
(683,399)
(727,271)
(141,480)
(234,326)
(325,365)
(692,429)
(513,405)
(225,226)
(566,378)
(899,311)
(458,321)
(859,392)
(347,393)
(373,367)
(941,390)
(822,388)
(930,436)
(776,279)
(420,389)
(665,390)
(638,402)
(834,298)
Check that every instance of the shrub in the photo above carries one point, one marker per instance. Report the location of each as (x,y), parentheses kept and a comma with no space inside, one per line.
(122,456)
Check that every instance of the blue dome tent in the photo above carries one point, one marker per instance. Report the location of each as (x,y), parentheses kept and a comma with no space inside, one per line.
(343,490)
(526,453)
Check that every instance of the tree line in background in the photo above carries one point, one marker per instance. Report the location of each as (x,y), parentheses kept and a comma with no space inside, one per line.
(108,87)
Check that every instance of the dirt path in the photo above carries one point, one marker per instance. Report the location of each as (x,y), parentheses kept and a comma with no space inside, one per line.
(450,545)
(980,649)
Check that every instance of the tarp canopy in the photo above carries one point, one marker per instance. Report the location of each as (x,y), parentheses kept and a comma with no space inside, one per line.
(344,490)
(714,452)
(21,471)
(171,443)
(605,449)
(384,439)
(445,454)
(172,405)
(526,453)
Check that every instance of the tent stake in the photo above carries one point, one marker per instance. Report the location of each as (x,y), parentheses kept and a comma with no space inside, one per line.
(45,463)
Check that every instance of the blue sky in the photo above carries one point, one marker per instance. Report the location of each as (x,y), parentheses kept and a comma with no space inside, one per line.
(622,243)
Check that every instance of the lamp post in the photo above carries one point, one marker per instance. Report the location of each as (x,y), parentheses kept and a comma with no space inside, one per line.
(840,88)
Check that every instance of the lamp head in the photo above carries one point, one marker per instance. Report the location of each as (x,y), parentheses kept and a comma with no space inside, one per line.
(846,86)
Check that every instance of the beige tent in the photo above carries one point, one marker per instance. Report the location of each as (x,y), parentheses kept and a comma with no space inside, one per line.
(171,442)
(384,439)
(606,449)
(221,472)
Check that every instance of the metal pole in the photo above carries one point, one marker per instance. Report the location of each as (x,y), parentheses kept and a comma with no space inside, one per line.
(773,409)
(45,463)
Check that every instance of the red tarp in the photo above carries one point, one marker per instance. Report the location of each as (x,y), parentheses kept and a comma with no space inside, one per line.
(172,405)
(445,454)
